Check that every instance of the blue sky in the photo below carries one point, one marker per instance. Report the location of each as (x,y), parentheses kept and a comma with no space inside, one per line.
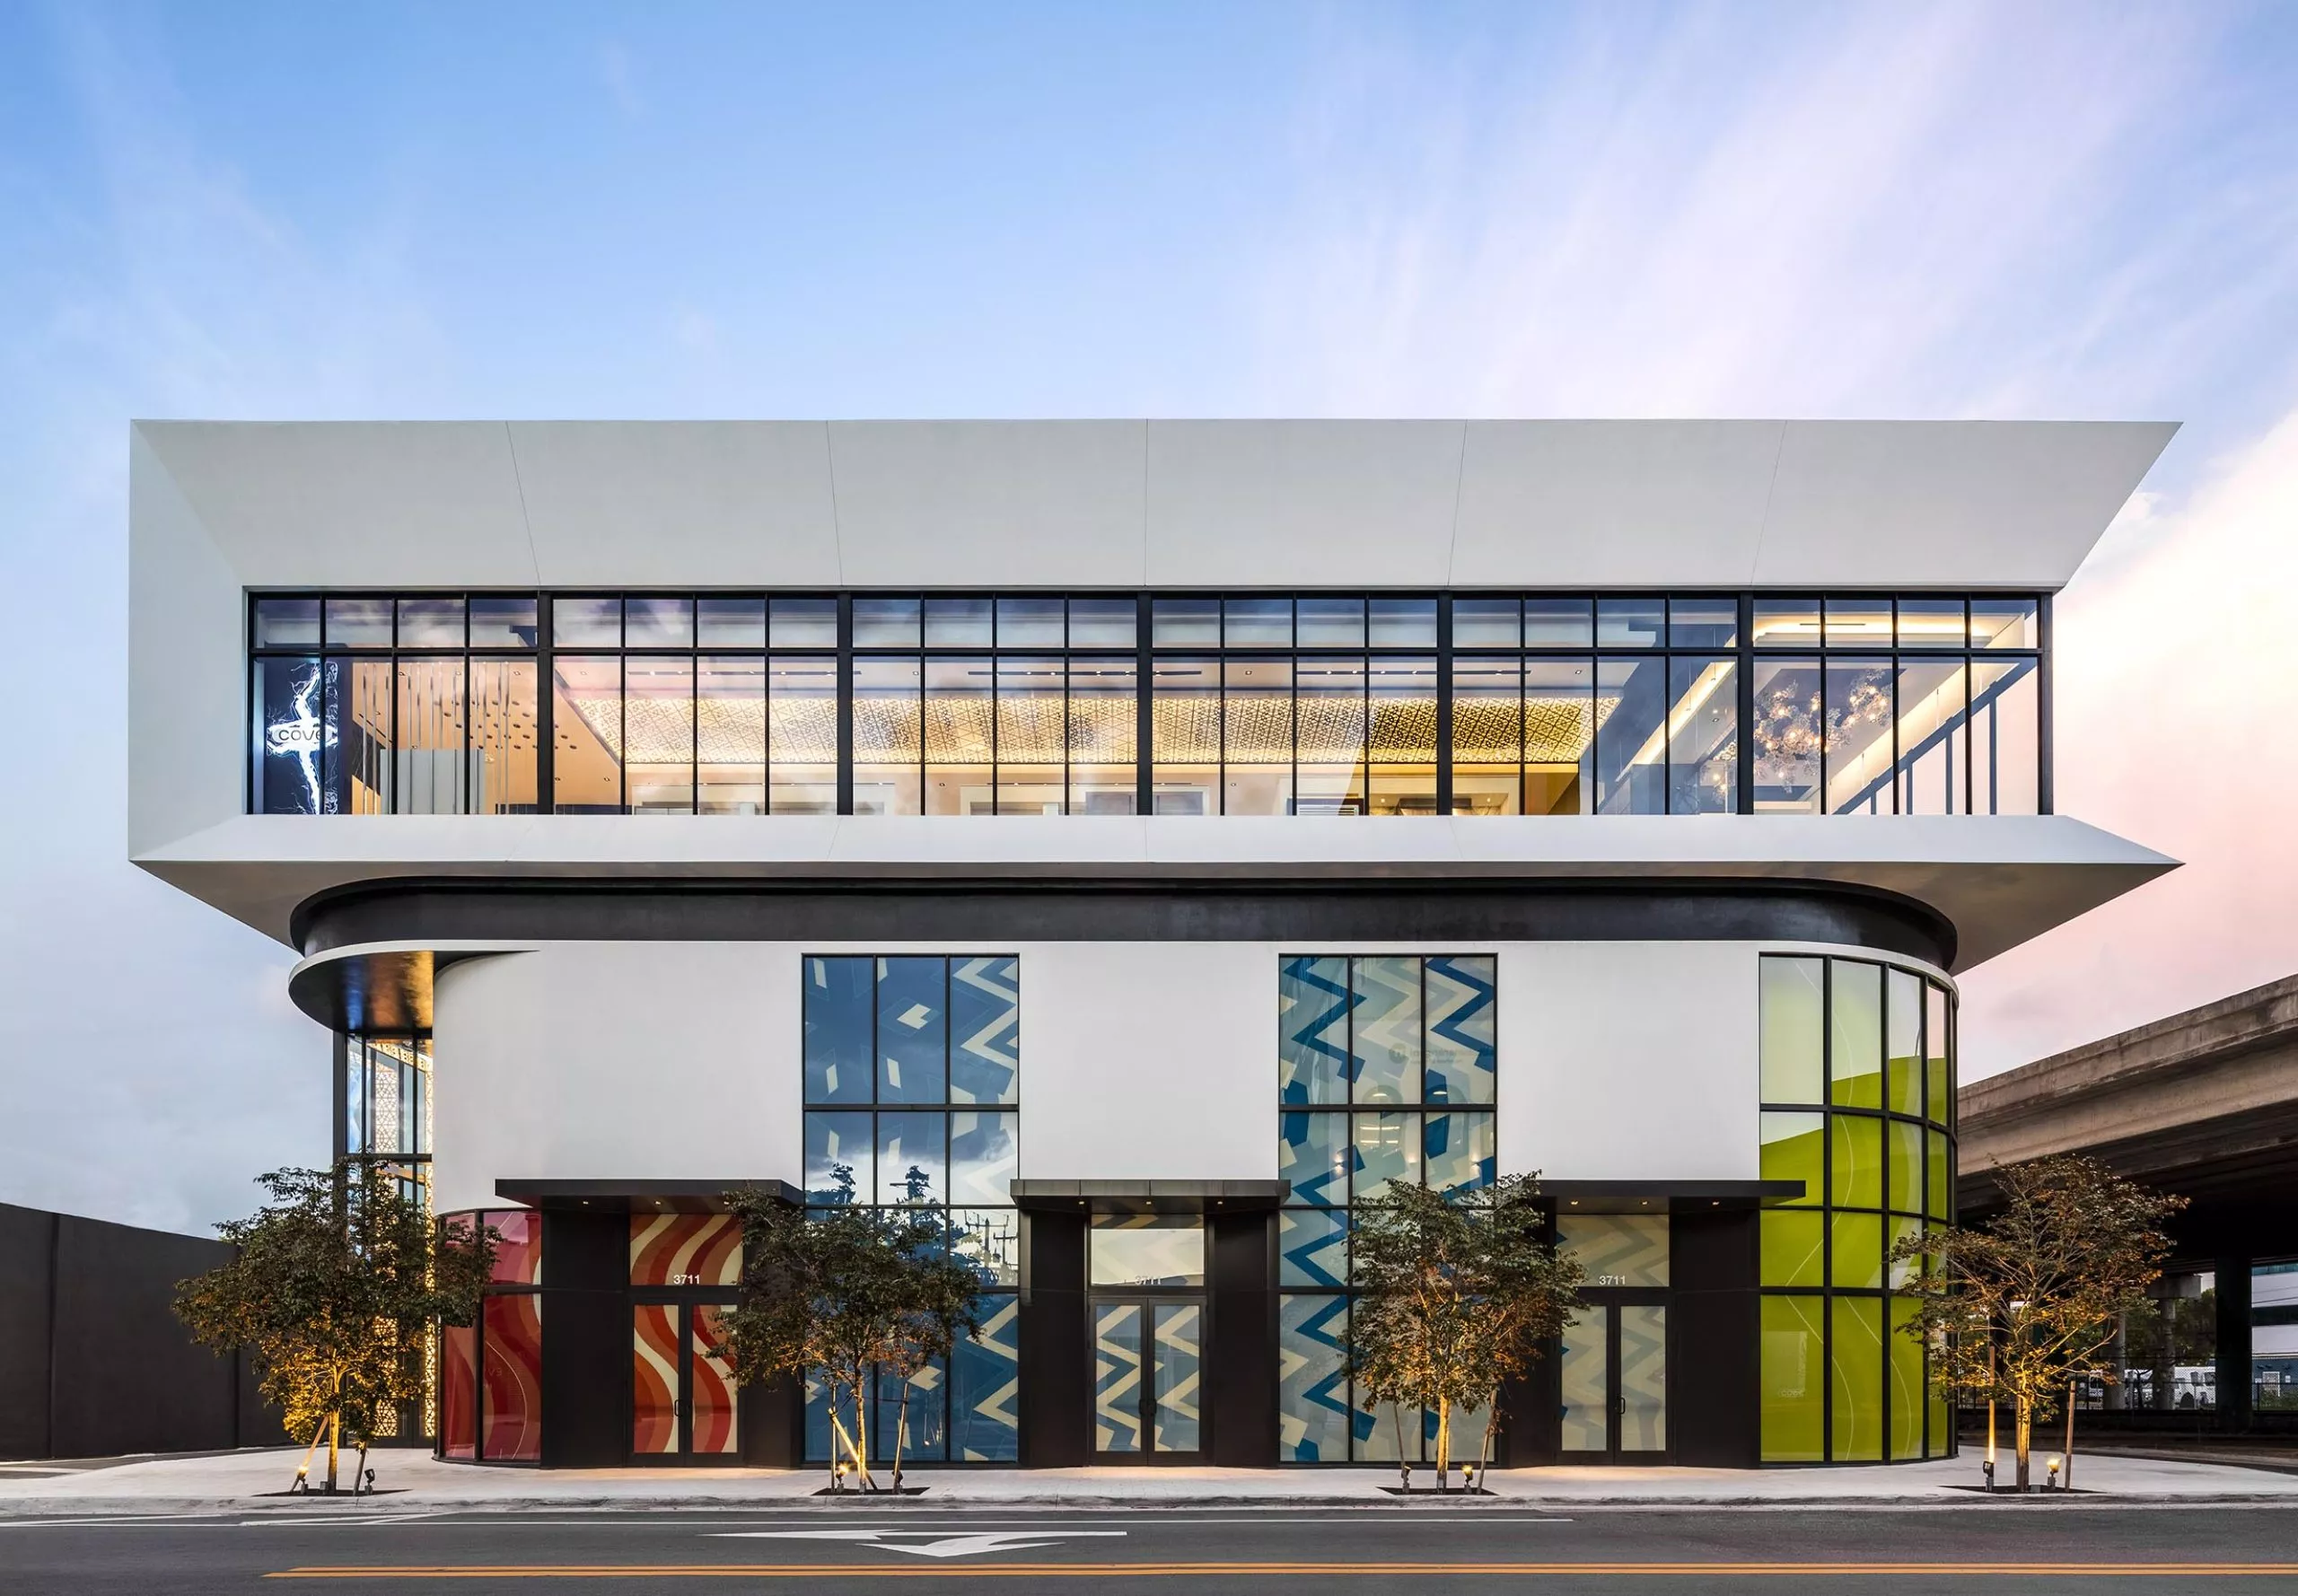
(1105,210)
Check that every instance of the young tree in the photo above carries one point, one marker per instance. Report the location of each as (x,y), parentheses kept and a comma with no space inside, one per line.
(848,1291)
(1454,1297)
(337,1280)
(2015,1311)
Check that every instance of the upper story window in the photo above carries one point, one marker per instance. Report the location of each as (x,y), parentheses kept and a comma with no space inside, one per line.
(1119,704)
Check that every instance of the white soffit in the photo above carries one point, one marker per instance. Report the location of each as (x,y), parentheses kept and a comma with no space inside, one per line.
(2001,880)
(1122,504)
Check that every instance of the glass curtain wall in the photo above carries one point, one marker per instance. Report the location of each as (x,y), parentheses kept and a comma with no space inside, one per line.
(1034,705)
(489,1374)
(386,1108)
(912,1069)
(1927,706)
(383,1127)
(1858,1087)
(995,706)
(1386,1068)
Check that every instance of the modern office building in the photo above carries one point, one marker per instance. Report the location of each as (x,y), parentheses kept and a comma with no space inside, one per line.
(1157,839)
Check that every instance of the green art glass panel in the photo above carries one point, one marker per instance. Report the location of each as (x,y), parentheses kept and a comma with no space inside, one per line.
(1793,1370)
(1856,1256)
(1857,1144)
(1937,1052)
(1907,1384)
(1903,1150)
(1855,1034)
(1856,1379)
(1794,1148)
(1942,1439)
(1792,1253)
(1941,1183)
(1903,1029)
(1791,1029)
(1904,1272)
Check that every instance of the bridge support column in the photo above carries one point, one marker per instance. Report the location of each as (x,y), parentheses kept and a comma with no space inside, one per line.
(2234,1299)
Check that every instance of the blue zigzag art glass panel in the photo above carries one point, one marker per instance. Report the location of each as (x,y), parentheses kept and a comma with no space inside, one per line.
(912,1067)
(1387,1073)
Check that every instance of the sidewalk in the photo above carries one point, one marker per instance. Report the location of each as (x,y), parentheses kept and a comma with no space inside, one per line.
(248,1481)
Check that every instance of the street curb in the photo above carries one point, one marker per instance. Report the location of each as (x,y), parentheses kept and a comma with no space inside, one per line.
(398,1503)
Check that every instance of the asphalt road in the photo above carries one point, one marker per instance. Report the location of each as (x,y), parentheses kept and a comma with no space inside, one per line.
(918,1551)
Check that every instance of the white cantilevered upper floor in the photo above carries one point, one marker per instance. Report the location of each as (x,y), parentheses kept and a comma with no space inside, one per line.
(1722,650)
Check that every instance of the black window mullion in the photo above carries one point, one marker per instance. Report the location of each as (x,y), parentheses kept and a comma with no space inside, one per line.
(1827,1183)
(1445,704)
(1744,754)
(466,789)
(546,696)
(2045,798)
(694,709)
(1145,722)
(844,800)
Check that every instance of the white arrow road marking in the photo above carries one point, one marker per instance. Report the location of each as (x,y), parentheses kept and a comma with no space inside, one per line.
(944,1545)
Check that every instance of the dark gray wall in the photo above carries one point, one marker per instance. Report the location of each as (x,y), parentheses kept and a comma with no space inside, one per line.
(1056,1358)
(94,1362)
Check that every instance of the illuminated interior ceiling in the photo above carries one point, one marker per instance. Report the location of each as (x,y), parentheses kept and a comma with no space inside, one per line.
(1555,731)
(1261,728)
(731,731)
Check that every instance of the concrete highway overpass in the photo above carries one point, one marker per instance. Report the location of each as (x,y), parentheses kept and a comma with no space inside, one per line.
(2203,1104)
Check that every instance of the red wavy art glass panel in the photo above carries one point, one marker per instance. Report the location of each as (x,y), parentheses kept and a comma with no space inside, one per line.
(512,1390)
(518,1253)
(653,1378)
(685,1250)
(458,1380)
(714,1386)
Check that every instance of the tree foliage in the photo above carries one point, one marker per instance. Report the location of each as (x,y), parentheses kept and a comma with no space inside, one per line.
(2015,1310)
(338,1278)
(844,1292)
(1455,1296)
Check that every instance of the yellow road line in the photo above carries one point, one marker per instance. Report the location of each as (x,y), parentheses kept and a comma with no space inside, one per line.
(1320,1570)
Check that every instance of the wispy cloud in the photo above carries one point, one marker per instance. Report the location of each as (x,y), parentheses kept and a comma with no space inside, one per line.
(2177,686)
(1858,210)
(153,1062)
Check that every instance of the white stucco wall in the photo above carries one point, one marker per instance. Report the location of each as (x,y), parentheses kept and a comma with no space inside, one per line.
(1618,1061)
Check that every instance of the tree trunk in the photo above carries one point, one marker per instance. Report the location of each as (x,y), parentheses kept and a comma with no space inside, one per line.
(1443,1444)
(2023,1433)
(1491,1423)
(1404,1465)
(901,1430)
(334,1441)
(852,1447)
(861,1442)
(2067,1461)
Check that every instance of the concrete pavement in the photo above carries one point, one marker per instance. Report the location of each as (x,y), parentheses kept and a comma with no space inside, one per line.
(413,1482)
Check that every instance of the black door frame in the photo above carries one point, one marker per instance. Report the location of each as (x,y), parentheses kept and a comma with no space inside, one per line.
(1149,1301)
(687,1300)
(1611,1300)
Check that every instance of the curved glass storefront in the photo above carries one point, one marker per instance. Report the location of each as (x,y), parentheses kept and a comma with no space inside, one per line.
(1858,1085)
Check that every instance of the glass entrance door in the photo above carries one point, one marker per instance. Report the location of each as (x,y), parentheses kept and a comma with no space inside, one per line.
(1148,1365)
(681,1396)
(1147,1318)
(1613,1374)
